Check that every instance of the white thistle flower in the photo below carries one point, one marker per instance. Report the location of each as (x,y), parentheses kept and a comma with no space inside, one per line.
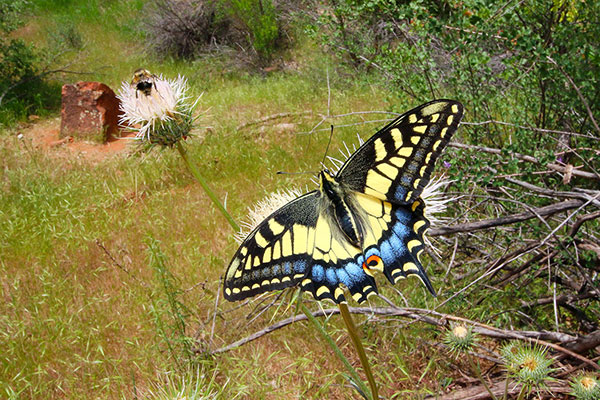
(162,117)
(435,200)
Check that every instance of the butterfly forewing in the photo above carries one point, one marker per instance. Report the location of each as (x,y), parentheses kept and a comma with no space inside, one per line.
(277,254)
(396,163)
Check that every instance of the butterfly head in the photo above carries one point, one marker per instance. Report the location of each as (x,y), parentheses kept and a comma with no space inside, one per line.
(328,183)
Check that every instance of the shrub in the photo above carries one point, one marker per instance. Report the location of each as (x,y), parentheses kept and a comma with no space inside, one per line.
(257,20)
(188,28)
(184,28)
(23,89)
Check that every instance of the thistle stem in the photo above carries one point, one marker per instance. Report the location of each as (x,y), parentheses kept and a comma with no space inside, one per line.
(359,348)
(477,370)
(194,170)
(334,347)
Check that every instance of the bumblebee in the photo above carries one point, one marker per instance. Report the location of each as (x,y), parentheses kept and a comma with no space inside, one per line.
(143,81)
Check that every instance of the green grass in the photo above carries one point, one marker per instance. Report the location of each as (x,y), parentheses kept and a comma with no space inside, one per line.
(75,324)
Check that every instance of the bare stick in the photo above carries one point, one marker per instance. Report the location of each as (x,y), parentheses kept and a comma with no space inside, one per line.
(499,388)
(434,318)
(529,128)
(524,157)
(119,265)
(272,117)
(509,219)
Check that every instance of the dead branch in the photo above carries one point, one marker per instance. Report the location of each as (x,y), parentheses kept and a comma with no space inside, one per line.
(550,192)
(119,265)
(431,317)
(539,258)
(326,117)
(509,219)
(498,388)
(265,331)
(585,343)
(562,299)
(272,117)
(529,128)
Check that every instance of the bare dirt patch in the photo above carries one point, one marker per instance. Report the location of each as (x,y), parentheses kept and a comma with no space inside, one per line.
(44,135)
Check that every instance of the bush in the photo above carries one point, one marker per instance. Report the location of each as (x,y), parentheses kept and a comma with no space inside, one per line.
(258,21)
(188,28)
(184,29)
(23,90)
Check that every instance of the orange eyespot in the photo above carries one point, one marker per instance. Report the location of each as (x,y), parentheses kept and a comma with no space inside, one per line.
(371,263)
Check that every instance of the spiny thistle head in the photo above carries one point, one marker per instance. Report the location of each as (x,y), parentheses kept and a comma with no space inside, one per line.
(585,387)
(527,363)
(436,200)
(158,109)
(460,338)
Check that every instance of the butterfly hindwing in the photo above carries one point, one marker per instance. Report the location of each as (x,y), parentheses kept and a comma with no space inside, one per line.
(395,238)
(396,163)
(335,262)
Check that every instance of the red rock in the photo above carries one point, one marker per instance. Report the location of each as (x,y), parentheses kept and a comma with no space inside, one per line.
(90,110)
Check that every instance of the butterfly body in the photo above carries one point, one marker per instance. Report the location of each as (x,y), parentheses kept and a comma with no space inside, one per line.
(366,218)
(344,213)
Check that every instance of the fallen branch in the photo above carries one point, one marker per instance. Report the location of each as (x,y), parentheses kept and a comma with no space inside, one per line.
(561,300)
(555,167)
(433,318)
(585,343)
(272,117)
(550,192)
(498,388)
(506,220)
(529,128)
(119,265)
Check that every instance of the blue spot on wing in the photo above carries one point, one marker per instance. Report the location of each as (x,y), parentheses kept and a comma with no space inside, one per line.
(318,273)
(287,268)
(343,276)
(300,267)
(393,248)
(404,215)
(355,272)
(388,254)
(400,193)
(401,230)
(331,276)
(407,180)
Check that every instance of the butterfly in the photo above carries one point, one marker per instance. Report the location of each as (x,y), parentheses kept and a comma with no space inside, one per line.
(366,218)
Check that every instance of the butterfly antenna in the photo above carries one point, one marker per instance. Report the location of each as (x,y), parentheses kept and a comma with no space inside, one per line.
(327,148)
